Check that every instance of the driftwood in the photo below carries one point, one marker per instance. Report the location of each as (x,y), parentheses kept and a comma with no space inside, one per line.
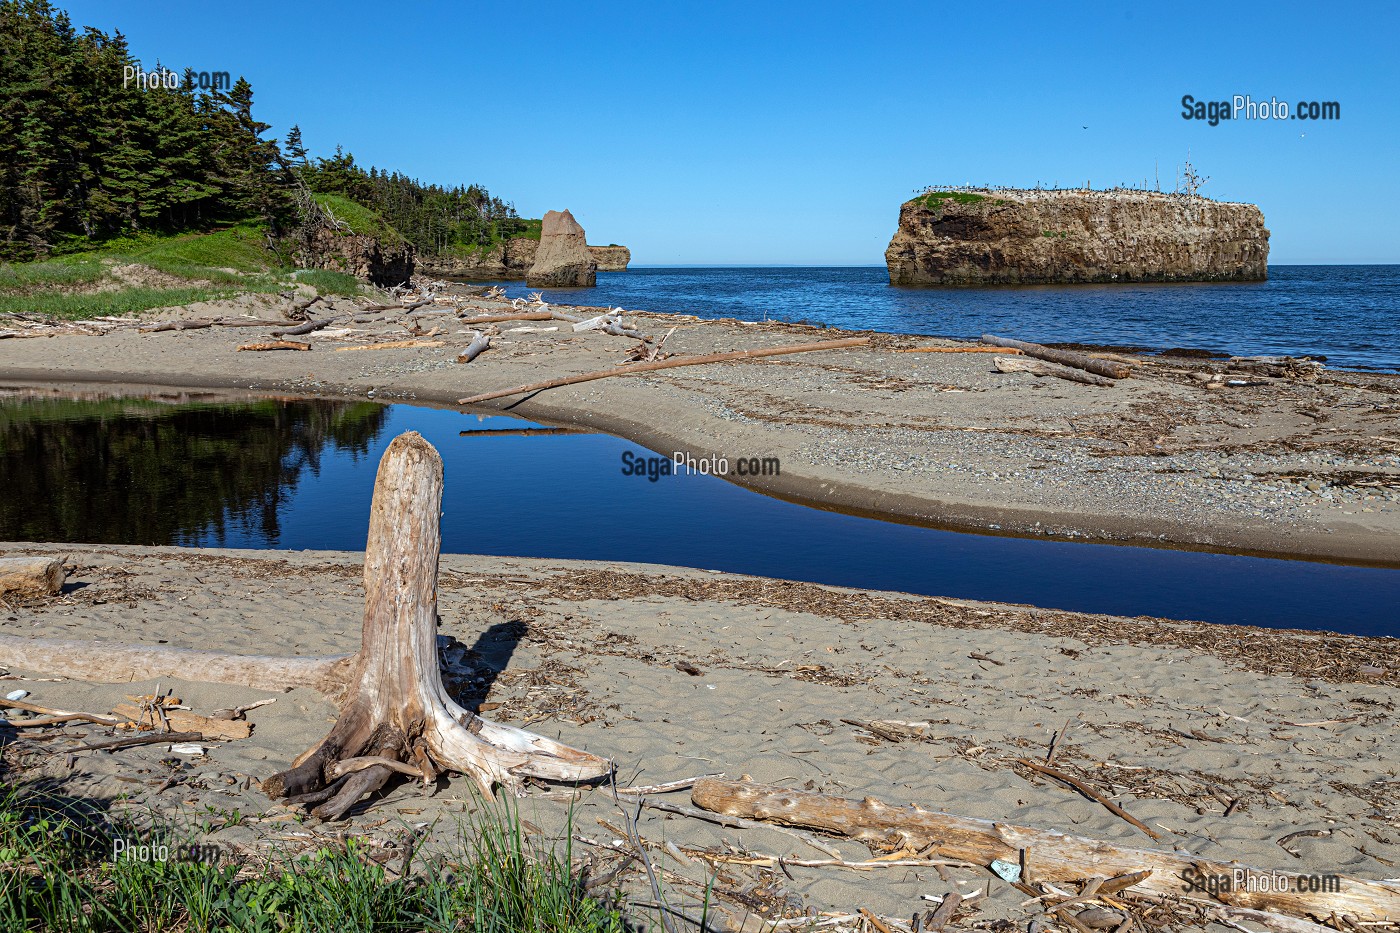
(57,714)
(480,344)
(276,345)
(1012,364)
(115,664)
(669,364)
(957,350)
(182,720)
(1051,856)
(513,316)
(1109,368)
(307,328)
(394,345)
(201,323)
(395,704)
(30,576)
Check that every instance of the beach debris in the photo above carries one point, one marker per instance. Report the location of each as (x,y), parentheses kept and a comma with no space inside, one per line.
(1053,856)
(52,716)
(1089,792)
(238,712)
(133,741)
(1012,364)
(1009,350)
(685,667)
(734,355)
(166,717)
(1283,842)
(395,345)
(480,343)
(275,345)
(1109,369)
(202,323)
(17,694)
(1055,742)
(394,705)
(187,748)
(31,576)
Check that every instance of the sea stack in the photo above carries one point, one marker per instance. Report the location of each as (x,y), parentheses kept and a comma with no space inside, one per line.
(563,259)
(1035,237)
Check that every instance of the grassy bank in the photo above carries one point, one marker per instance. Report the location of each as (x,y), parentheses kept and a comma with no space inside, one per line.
(140,273)
(58,872)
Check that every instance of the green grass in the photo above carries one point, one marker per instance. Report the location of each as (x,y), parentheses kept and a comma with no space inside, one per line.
(194,267)
(329,282)
(57,873)
(360,219)
(936,199)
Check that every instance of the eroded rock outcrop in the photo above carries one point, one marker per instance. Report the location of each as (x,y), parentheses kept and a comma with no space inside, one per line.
(365,257)
(562,260)
(999,237)
(511,260)
(611,258)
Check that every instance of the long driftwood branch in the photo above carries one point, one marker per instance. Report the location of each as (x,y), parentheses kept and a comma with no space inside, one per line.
(634,368)
(115,664)
(1051,856)
(1015,364)
(1109,368)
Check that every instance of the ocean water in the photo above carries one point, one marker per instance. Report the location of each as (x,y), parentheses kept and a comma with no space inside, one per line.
(1349,314)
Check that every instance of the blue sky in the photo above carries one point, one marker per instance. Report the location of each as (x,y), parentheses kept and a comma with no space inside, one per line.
(741,133)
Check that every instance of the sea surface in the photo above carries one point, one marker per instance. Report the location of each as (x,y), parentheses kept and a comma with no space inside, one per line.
(281,473)
(1349,314)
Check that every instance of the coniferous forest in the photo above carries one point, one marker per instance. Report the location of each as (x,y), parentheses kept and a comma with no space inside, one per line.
(84,159)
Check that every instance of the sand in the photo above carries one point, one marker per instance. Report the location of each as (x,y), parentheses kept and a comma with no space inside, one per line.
(1177,721)
(1303,469)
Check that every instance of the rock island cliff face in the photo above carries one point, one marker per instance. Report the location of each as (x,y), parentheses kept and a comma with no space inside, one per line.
(1000,237)
(512,260)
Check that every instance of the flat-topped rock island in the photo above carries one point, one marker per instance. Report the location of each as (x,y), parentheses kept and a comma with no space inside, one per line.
(1061,237)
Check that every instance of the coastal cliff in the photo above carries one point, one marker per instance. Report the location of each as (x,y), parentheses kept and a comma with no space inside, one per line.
(380,260)
(1032,237)
(511,260)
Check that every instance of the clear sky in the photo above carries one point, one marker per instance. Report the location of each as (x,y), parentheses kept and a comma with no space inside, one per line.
(753,133)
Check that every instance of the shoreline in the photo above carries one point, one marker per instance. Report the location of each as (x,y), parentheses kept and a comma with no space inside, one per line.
(934,440)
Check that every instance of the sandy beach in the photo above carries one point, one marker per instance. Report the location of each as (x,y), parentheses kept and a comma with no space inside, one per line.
(1274,748)
(1297,468)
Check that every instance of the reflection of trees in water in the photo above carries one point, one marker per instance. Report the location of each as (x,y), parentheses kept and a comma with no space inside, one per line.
(142,472)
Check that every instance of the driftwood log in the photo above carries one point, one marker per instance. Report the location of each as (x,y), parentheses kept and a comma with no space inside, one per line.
(1109,368)
(30,576)
(393,704)
(1047,855)
(1020,364)
(634,368)
(480,344)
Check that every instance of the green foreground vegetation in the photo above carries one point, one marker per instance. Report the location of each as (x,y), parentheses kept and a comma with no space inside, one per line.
(135,274)
(58,873)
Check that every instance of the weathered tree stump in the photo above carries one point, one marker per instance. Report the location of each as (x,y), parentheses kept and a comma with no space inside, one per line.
(394,707)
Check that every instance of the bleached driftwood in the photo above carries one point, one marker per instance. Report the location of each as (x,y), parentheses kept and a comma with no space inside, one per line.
(1021,364)
(395,705)
(1050,856)
(1108,368)
(480,344)
(30,576)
